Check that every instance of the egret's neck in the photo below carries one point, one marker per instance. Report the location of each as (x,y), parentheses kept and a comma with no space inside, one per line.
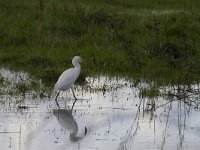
(76,64)
(77,67)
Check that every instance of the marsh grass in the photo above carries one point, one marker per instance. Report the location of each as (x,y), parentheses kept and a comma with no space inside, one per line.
(152,40)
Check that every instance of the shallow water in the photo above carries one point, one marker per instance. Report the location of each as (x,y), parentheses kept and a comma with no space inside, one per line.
(109,114)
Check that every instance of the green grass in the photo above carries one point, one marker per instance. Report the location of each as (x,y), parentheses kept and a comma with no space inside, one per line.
(156,40)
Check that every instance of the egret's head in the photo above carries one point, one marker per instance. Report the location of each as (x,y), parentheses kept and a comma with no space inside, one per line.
(76,60)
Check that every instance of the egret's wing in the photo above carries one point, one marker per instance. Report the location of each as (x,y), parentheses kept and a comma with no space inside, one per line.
(66,80)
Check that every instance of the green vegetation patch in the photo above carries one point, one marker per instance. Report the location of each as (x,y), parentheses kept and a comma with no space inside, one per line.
(151,39)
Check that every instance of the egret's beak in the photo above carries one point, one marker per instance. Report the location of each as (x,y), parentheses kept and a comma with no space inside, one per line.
(82,60)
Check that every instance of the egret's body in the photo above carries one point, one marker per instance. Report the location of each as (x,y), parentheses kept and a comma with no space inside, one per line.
(68,78)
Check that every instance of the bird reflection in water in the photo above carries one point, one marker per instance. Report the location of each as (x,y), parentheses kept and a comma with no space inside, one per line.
(66,120)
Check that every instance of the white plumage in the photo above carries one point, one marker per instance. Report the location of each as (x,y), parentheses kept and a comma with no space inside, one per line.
(68,77)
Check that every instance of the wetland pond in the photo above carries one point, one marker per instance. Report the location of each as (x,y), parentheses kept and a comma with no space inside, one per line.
(110,113)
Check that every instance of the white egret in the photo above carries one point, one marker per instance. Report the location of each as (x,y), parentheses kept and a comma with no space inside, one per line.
(68,78)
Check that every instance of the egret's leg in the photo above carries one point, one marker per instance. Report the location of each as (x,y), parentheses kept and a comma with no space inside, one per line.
(73,93)
(73,104)
(56,99)
(75,99)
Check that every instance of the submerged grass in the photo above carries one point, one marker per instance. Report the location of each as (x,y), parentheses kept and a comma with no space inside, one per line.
(149,40)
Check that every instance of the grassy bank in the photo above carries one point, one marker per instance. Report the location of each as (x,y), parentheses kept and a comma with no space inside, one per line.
(155,40)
